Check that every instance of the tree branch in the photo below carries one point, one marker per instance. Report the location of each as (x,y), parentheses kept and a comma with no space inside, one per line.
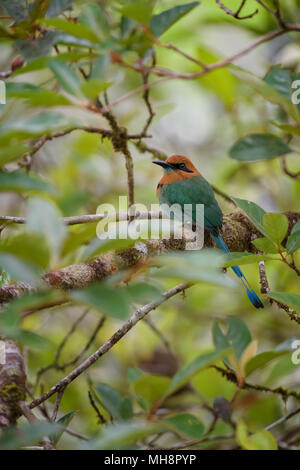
(90,218)
(138,315)
(12,384)
(283,392)
(236,15)
(171,75)
(238,232)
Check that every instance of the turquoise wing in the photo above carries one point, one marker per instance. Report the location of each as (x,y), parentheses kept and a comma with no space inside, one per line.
(194,191)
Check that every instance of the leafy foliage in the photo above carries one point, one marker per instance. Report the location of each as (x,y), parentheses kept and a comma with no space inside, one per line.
(87,84)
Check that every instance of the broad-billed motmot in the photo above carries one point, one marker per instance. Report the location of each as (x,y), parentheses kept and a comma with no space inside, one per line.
(183,184)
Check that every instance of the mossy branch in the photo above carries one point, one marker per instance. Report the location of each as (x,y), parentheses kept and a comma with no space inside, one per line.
(12,384)
(238,233)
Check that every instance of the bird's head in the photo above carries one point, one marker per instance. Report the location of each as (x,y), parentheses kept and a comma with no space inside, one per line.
(178,164)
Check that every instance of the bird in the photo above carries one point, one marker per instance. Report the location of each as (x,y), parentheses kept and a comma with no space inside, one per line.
(183,184)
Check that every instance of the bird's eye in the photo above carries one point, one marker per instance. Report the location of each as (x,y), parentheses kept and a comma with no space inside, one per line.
(182,166)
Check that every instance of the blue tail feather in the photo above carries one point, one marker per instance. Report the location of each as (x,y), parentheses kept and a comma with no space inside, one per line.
(253,297)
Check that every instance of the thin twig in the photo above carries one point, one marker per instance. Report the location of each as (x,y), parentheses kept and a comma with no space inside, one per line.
(55,364)
(236,15)
(192,443)
(47,444)
(57,403)
(91,218)
(291,312)
(265,289)
(284,393)
(170,75)
(146,97)
(101,419)
(139,314)
(283,419)
(286,170)
(159,334)
(276,13)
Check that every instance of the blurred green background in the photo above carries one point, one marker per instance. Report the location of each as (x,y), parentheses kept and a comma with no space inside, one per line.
(201,119)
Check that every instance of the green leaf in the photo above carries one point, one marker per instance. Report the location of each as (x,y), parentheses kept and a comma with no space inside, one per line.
(264,440)
(31,49)
(42,62)
(143,292)
(39,9)
(220,339)
(27,434)
(275,226)
(35,95)
(8,154)
(11,315)
(66,77)
(159,24)
(43,218)
(5,33)
(137,10)
(124,435)
(237,258)
(282,368)
(255,147)
(10,322)
(28,246)
(266,246)
(151,387)
(134,373)
(63,422)
(95,19)
(78,236)
(260,360)
(15,8)
(220,81)
(237,336)
(261,440)
(118,407)
(98,246)
(194,266)
(296,227)
(293,241)
(20,270)
(75,29)
(185,374)
(267,91)
(31,339)
(38,124)
(70,40)
(93,88)
(187,424)
(287,128)
(58,6)
(253,211)
(103,298)
(280,79)
(22,182)
(287,298)
(4,278)
(100,66)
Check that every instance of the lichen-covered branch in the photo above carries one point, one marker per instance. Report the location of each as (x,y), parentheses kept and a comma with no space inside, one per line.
(238,233)
(281,391)
(12,383)
(138,315)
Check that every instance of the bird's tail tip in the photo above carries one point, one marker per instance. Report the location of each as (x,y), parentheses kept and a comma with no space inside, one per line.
(254,299)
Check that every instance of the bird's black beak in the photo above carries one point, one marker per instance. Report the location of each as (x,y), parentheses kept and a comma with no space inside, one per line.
(163,163)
